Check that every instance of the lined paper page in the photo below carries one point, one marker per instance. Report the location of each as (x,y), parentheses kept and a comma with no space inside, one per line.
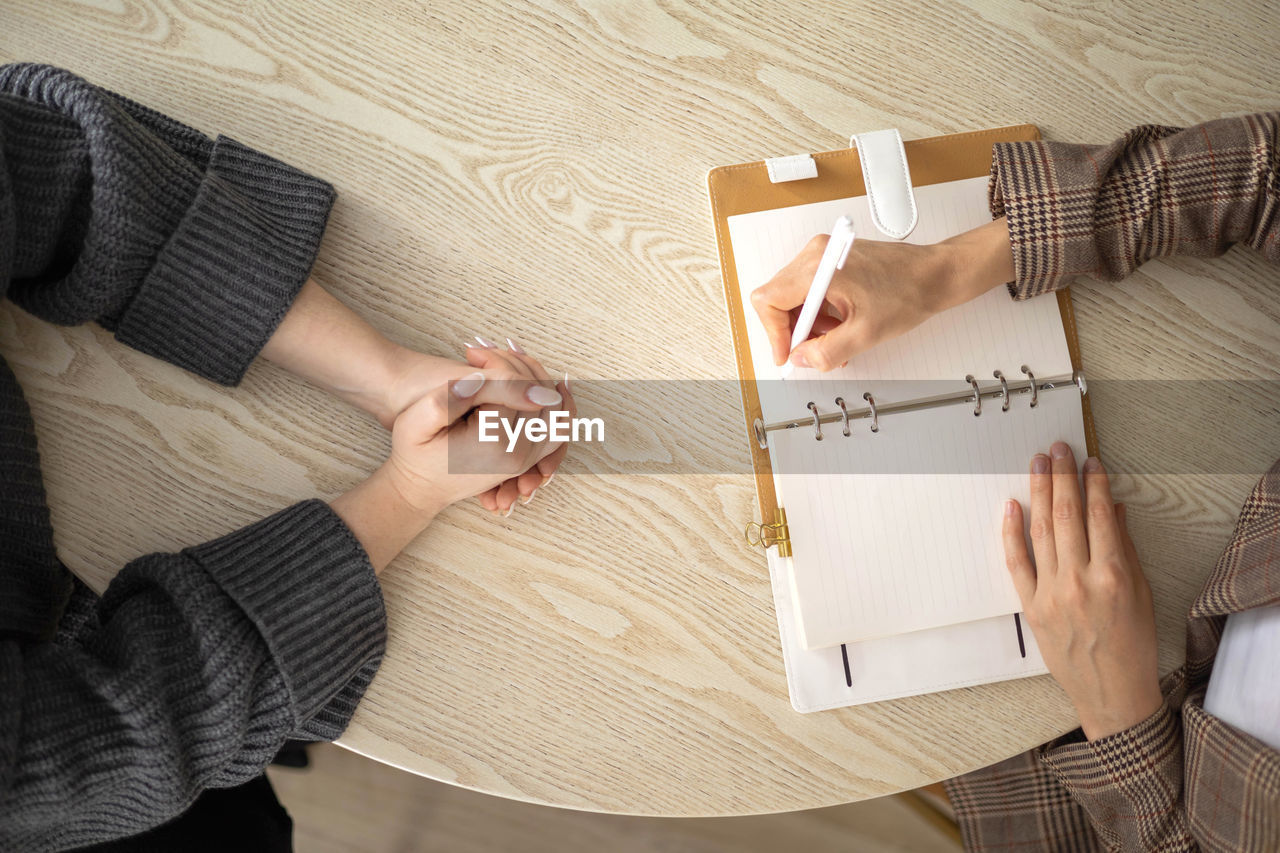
(878,552)
(990,333)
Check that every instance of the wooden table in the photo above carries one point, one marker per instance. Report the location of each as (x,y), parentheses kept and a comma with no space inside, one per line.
(537,170)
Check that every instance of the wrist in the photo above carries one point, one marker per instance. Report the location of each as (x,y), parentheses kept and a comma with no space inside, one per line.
(974,262)
(385,365)
(328,344)
(413,494)
(380,517)
(1105,722)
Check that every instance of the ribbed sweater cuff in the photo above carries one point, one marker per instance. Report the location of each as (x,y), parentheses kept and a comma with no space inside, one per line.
(226,277)
(308,586)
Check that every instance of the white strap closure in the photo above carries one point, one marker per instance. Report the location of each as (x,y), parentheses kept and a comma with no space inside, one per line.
(884,171)
(797,167)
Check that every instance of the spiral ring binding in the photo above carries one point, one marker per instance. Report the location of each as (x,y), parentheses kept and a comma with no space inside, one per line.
(1004,390)
(817,421)
(1035,391)
(977,395)
(875,418)
(844,415)
(974,395)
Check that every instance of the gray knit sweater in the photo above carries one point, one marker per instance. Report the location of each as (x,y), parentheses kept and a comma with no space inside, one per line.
(192,668)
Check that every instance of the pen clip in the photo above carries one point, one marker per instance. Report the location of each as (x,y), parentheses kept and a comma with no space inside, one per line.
(845,228)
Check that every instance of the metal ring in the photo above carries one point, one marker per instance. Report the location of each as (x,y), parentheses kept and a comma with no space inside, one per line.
(1004,390)
(817,421)
(1077,376)
(1035,392)
(844,414)
(977,395)
(875,418)
(762,439)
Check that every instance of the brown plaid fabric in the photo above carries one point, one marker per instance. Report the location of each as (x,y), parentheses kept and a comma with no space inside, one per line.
(1183,779)
(1101,210)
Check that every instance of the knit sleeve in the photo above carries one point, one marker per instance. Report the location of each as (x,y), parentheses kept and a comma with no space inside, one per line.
(187,248)
(189,673)
(1103,210)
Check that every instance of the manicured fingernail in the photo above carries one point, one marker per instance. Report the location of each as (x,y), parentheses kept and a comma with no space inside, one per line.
(1059,450)
(1039,464)
(543,396)
(514,347)
(468,345)
(1092,465)
(1010,507)
(468,385)
(566,380)
(526,501)
(486,344)
(547,481)
(510,510)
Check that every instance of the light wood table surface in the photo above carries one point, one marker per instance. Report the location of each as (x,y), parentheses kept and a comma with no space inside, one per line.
(537,170)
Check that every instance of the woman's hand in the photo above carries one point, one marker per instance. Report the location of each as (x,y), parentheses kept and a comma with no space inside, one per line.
(327,343)
(431,463)
(1085,595)
(883,290)
(502,497)
(437,457)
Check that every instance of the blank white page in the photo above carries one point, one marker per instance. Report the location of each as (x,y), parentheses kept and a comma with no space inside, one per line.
(879,552)
(990,333)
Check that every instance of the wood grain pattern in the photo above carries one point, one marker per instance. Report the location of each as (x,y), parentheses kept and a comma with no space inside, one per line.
(612,646)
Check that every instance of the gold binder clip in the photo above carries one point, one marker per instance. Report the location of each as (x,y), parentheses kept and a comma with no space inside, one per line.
(768,535)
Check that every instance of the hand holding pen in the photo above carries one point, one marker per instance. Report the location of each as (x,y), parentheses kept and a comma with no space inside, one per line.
(882,290)
(834,255)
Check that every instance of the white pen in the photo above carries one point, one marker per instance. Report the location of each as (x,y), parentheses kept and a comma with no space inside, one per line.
(833,259)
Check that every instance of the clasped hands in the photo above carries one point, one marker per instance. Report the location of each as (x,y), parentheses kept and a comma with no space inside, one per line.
(424,406)
(431,406)
(1081,586)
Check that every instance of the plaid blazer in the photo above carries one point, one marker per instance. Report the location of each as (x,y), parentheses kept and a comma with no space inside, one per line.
(1182,779)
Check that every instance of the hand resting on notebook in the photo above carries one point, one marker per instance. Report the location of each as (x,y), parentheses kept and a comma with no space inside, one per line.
(883,290)
(1085,595)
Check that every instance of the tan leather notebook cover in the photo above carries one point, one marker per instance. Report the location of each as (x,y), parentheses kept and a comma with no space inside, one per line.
(746,188)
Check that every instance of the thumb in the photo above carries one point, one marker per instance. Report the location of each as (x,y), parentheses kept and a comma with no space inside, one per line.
(438,408)
(830,350)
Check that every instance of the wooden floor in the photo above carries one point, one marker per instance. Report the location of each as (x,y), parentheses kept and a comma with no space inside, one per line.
(345,802)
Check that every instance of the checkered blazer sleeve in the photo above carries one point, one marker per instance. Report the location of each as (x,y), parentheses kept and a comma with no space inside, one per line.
(1130,784)
(1019,805)
(1119,793)
(1102,210)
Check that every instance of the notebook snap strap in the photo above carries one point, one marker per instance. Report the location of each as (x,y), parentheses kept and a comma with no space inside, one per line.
(888,181)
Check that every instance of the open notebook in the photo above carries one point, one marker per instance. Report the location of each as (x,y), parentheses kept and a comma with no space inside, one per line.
(895,582)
